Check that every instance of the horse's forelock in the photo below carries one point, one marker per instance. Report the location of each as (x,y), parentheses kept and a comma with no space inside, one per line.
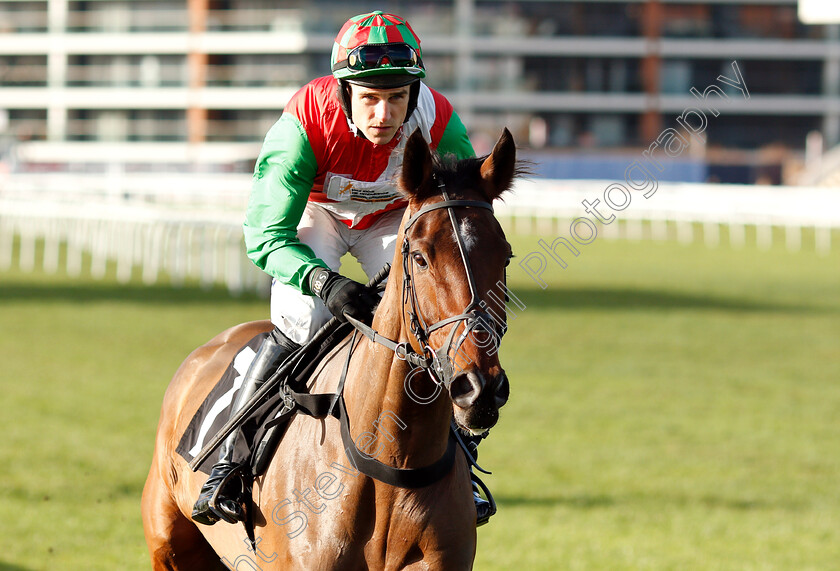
(491,175)
(462,176)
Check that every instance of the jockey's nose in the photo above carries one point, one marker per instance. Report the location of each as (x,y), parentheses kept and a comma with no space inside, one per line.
(382,111)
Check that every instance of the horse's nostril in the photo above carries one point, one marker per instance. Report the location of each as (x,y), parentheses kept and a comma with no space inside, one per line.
(465,388)
(502,389)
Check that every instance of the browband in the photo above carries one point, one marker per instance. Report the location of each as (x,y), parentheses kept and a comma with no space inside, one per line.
(446,204)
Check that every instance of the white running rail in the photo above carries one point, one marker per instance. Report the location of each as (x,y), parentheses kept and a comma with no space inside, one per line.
(189,226)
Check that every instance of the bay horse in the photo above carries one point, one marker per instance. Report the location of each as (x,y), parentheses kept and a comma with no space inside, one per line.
(312,508)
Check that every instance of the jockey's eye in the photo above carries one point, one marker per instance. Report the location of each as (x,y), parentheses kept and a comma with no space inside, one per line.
(419,260)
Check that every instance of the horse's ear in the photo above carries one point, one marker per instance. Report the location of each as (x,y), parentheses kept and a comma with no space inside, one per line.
(499,169)
(416,177)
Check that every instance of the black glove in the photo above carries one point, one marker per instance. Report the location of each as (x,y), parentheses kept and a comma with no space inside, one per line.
(342,295)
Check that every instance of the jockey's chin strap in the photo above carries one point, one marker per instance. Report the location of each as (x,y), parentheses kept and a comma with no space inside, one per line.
(437,362)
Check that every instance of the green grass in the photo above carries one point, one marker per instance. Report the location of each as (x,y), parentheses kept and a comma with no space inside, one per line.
(673,407)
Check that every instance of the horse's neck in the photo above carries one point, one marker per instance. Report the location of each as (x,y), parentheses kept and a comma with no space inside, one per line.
(409,432)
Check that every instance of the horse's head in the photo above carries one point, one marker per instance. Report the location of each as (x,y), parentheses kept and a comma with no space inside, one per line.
(454,255)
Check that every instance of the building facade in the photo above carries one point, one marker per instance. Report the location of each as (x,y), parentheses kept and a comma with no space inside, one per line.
(82,79)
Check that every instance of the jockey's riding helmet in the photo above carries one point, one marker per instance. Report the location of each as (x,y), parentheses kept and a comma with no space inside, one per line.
(377,50)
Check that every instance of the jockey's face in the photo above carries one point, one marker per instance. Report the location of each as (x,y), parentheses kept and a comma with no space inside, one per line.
(378,113)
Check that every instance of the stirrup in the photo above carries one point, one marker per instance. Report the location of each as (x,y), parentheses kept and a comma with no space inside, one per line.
(478,486)
(235,510)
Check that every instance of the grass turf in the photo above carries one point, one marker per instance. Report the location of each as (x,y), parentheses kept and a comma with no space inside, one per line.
(672,407)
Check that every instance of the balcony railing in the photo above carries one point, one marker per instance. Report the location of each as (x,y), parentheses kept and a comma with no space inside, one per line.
(123,129)
(268,75)
(240,130)
(22,21)
(140,74)
(241,20)
(20,74)
(122,18)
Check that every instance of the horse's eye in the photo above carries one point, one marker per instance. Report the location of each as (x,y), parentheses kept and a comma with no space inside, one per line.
(419,260)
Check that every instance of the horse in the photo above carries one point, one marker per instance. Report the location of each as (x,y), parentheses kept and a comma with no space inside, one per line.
(427,362)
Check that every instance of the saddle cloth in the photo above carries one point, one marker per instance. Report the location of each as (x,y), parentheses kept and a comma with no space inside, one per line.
(215,411)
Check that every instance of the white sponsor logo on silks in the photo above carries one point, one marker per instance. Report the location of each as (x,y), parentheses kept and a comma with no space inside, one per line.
(340,188)
(240,365)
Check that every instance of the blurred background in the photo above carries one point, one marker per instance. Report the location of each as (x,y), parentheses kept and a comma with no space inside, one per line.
(99,98)
(685,365)
(88,82)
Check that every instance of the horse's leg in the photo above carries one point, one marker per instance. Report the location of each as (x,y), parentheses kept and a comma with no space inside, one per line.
(175,543)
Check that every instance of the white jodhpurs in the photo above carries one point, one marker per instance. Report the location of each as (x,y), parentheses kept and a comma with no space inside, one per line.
(300,316)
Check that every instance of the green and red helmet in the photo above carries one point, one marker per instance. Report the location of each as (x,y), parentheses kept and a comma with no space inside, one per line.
(377,50)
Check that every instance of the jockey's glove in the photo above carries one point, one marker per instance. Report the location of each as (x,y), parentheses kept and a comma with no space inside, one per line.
(342,295)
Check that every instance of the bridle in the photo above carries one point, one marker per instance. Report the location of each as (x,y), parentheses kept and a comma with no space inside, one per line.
(475,320)
(435,362)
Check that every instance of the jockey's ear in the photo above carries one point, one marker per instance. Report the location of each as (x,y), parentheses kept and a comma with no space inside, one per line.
(416,176)
(499,168)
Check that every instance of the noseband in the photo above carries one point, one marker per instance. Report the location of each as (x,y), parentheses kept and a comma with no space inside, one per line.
(437,362)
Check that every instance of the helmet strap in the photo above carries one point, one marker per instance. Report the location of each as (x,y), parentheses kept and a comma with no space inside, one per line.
(342,92)
(413,95)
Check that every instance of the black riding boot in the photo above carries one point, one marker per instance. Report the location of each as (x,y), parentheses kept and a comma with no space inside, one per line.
(212,505)
(484,509)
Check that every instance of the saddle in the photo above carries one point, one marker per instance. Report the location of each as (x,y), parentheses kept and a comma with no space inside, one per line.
(263,429)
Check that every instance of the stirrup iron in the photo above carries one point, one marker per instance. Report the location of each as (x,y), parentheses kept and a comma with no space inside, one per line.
(477,483)
(220,509)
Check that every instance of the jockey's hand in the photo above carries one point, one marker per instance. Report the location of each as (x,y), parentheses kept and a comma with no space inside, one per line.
(342,295)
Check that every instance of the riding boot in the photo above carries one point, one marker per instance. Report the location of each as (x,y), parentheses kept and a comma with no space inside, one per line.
(212,505)
(484,509)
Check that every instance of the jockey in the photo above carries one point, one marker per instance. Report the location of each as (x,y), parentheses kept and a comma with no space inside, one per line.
(324,185)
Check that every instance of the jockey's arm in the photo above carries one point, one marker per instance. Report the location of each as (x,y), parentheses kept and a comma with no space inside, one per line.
(283,179)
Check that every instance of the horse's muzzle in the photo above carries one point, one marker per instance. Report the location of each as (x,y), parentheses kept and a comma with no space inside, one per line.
(469,386)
